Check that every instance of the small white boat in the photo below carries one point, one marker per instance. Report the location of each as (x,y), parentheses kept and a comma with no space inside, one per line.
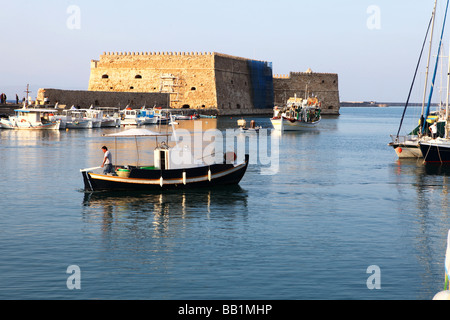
(162,115)
(298,115)
(148,116)
(31,119)
(94,115)
(130,117)
(77,120)
(111,117)
(180,115)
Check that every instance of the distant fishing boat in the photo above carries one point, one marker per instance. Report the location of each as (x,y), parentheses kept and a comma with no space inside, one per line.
(31,119)
(180,115)
(252,129)
(164,173)
(298,115)
(207,116)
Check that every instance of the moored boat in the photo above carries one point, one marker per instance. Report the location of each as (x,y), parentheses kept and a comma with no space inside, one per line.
(75,119)
(31,119)
(408,146)
(111,117)
(436,150)
(298,115)
(130,117)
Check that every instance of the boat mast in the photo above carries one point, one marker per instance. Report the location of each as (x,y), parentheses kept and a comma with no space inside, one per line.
(27,91)
(427,111)
(448,91)
(433,18)
(415,74)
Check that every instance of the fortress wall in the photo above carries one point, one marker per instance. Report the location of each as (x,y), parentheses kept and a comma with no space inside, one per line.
(323,85)
(206,80)
(233,83)
(85,99)
(188,77)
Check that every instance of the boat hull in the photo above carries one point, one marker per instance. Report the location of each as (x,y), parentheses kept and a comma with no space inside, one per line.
(282,124)
(107,123)
(7,124)
(407,151)
(84,124)
(436,151)
(143,179)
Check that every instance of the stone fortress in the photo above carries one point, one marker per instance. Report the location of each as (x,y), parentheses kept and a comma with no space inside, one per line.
(211,83)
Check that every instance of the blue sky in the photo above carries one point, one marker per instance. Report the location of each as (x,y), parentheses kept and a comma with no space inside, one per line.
(38,47)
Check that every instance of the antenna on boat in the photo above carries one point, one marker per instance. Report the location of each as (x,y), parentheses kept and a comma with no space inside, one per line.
(27,91)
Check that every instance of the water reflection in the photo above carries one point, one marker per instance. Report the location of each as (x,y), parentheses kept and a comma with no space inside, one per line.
(29,137)
(156,214)
(428,208)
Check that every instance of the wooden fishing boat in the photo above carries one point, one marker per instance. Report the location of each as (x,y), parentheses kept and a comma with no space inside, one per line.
(164,173)
(298,115)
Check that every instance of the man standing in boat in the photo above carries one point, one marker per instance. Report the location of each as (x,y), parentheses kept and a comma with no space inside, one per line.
(433,130)
(107,161)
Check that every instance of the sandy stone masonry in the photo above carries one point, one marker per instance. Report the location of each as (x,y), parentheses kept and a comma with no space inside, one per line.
(213,82)
(189,78)
(204,80)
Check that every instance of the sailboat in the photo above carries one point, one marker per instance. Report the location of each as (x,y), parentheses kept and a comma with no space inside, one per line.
(408,146)
(437,149)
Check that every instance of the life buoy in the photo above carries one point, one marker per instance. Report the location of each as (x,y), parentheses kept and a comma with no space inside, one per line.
(229,157)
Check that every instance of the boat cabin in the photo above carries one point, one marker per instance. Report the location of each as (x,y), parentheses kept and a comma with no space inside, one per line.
(34,115)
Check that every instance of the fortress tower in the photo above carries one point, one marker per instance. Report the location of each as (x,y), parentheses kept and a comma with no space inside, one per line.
(192,80)
(224,84)
(323,85)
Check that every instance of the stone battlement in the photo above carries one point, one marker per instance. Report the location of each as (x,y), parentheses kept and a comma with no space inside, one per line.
(157,53)
(208,80)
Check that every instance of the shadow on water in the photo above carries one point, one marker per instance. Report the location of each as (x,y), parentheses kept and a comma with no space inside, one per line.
(437,169)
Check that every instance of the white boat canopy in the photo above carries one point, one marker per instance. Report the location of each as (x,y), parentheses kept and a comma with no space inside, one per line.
(137,133)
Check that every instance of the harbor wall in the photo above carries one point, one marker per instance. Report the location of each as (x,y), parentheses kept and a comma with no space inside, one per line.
(85,99)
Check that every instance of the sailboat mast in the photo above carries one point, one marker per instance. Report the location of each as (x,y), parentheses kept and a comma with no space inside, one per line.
(448,91)
(415,75)
(429,56)
(427,111)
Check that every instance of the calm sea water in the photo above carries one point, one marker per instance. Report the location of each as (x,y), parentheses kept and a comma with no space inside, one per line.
(341,202)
